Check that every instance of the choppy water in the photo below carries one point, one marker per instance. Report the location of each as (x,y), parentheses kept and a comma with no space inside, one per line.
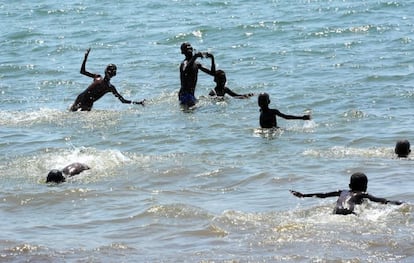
(206,185)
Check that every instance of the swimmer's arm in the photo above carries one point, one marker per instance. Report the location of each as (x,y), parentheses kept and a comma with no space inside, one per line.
(83,67)
(212,93)
(142,102)
(189,65)
(212,70)
(232,93)
(292,117)
(381,200)
(237,96)
(123,100)
(319,195)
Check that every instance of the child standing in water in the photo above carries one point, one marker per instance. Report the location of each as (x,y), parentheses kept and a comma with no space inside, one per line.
(268,116)
(349,198)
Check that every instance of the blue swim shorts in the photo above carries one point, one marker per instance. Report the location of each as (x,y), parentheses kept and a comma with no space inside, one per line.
(187,99)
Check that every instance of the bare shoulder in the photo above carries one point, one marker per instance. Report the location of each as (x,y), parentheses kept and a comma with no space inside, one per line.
(75,168)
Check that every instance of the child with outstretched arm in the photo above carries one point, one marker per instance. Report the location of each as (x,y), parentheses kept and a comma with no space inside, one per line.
(349,198)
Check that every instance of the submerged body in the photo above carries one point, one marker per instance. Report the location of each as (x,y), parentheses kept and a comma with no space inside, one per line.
(347,199)
(59,176)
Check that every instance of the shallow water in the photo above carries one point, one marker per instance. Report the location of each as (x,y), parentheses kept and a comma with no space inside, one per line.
(208,185)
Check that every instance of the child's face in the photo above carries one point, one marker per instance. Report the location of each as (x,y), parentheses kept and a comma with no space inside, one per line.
(187,49)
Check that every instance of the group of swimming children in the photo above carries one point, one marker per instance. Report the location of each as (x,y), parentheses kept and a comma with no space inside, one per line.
(347,199)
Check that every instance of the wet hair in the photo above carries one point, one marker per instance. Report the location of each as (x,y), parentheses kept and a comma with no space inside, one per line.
(358,182)
(55,176)
(402,148)
(219,74)
(263,100)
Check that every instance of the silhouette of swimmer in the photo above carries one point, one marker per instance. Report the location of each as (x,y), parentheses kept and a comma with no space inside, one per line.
(402,148)
(221,89)
(268,116)
(99,87)
(59,176)
(349,198)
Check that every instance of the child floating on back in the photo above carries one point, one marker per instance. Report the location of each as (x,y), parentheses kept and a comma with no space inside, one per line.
(349,198)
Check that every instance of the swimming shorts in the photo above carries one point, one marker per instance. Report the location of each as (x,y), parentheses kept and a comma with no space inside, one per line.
(187,99)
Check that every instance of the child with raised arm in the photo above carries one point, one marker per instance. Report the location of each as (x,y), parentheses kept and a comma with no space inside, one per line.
(221,89)
(268,116)
(99,87)
(349,198)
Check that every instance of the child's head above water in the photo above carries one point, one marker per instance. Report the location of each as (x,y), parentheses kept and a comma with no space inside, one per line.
(263,100)
(402,148)
(220,76)
(359,182)
(55,176)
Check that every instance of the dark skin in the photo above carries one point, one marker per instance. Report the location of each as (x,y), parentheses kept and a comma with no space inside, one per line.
(268,117)
(402,148)
(347,199)
(99,87)
(357,196)
(220,90)
(59,176)
(189,69)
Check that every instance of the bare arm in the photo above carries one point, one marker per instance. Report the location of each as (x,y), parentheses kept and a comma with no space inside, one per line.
(319,195)
(237,96)
(83,67)
(212,70)
(122,99)
(292,117)
(189,65)
(381,200)
(231,93)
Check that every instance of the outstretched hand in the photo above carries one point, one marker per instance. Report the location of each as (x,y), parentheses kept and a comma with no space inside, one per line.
(245,96)
(208,55)
(306,117)
(394,202)
(297,194)
(87,52)
(198,55)
(139,102)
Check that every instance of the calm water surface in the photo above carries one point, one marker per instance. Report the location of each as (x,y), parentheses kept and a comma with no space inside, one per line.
(207,185)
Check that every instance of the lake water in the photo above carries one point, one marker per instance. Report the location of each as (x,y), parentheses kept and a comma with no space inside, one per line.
(208,185)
